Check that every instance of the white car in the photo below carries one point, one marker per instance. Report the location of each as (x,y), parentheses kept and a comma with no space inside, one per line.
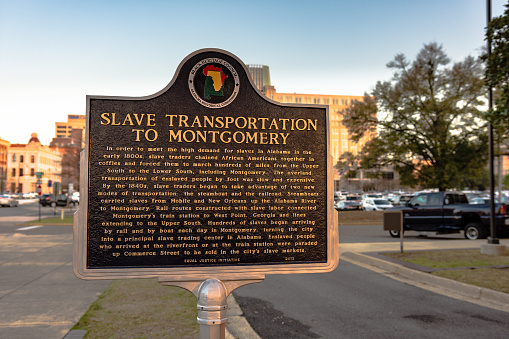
(8,200)
(376,204)
(75,198)
(30,195)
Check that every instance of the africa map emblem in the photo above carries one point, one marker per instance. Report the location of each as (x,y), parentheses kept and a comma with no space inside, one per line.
(214,83)
(214,79)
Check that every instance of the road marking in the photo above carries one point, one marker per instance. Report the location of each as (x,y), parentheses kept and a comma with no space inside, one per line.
(27,228)
(17,219)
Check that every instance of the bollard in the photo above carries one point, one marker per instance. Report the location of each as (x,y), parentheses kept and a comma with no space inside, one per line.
(62,215)
(212,309)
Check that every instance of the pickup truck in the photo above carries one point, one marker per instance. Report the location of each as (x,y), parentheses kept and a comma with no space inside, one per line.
(450,212)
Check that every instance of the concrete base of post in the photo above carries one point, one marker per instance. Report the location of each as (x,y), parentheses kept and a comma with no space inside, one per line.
(493,249)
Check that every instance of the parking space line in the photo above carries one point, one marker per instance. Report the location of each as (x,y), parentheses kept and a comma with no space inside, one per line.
(27,228)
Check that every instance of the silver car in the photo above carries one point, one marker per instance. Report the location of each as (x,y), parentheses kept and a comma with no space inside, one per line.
(376,205)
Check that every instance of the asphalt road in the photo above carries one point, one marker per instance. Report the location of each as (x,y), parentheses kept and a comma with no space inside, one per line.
(12,218)
(354,302)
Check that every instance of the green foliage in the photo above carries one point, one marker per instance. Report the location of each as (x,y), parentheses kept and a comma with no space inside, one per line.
(428,119)
(505,182)
(497,71)
(347,165)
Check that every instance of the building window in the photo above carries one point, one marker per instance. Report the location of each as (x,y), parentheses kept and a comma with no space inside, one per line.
(21,158)
(388,175)
(14,158)
(32,172)
(21,172)
(32,159)
(13,172)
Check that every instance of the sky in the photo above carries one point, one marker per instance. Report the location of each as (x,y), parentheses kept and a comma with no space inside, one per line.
(54,53)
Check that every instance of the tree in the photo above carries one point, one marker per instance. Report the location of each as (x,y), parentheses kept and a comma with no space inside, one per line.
(505,182)
(497,72)
(427,119)
(347,165)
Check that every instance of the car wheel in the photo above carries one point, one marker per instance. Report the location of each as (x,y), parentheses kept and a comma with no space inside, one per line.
(53,204)
(394,234)
(474,231)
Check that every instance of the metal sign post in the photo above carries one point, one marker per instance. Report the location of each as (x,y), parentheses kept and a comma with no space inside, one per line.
(212,309)
(393,221)
(39,190)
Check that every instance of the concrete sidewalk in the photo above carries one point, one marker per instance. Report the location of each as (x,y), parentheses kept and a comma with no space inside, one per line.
(40,297)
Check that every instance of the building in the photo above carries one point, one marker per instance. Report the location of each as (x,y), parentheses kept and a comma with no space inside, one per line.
(25,160)
(4,151)
(74,122)
(340,138)
(260,74)
(70,149)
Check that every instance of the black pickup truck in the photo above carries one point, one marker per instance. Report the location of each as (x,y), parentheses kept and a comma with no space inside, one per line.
(450,212)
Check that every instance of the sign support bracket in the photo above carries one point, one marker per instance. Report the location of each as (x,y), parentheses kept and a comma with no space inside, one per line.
(212,302)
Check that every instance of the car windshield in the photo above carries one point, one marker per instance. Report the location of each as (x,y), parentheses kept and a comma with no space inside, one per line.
(381,202)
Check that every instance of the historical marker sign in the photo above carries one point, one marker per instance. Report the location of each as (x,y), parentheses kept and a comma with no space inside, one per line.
(205,178)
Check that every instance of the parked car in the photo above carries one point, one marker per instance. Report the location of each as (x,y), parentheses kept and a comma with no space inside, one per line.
(75,198)
(339,195)
(29,195)
(450,212)
(402,199)
(371,195)
(49,200)
(370,204)
(346,205)
(8,200)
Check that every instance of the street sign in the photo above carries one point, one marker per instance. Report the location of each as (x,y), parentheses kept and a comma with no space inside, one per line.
(206,178)
(39,175)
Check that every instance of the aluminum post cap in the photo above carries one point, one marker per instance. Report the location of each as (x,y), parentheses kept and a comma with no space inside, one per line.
(212,296)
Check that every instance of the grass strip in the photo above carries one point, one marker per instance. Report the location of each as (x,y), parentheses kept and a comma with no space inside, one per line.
(487,277)
(360,217)
(492,278)
(141,308)
(68,220)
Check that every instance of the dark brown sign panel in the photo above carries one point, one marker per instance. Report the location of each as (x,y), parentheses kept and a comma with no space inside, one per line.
(206,176)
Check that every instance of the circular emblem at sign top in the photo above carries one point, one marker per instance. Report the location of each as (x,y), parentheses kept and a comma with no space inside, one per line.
(214,83)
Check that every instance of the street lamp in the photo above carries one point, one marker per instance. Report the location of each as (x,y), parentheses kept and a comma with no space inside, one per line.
(493,246)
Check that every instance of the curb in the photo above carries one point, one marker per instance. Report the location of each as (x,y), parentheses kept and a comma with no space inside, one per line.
(469,292)
(238,326)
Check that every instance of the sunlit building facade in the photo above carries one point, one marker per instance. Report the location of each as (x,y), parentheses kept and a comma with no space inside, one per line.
(74,122)
(25,160)
(340,138)
(4,151)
